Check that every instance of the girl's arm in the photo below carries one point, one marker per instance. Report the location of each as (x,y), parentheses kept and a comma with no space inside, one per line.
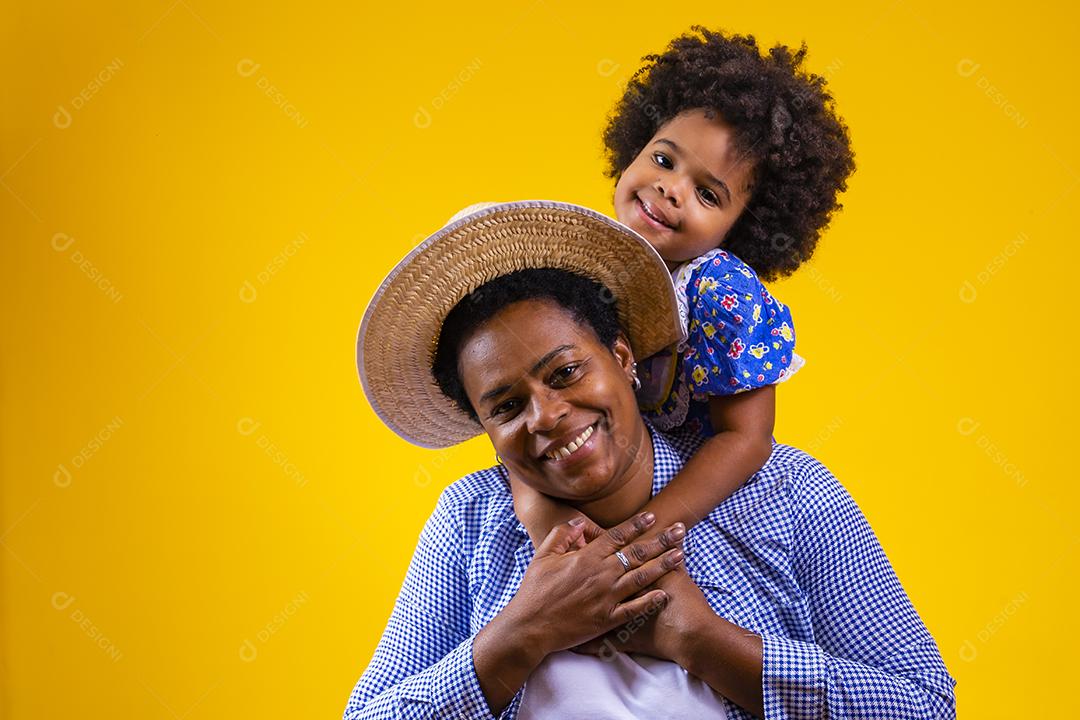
(540,513)
(743,442)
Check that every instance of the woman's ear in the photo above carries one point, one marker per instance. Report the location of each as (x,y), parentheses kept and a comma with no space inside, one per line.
(624,354)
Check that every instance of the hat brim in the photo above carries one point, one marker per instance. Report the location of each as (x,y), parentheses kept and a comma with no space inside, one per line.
(398,335)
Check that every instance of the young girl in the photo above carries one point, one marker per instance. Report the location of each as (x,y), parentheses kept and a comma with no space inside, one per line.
(729,163)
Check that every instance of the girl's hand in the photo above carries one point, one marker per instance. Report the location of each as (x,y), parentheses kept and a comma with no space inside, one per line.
(569,596)
(592,531)
(540,514)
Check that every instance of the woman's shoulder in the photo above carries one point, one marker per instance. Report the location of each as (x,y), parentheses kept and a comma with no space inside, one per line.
(478,488)
(477,514)
(793,464)
(809,485)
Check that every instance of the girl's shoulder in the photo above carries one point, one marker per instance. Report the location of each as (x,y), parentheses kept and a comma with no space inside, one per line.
(717,268)
(722,263)
(720,276)
(738,336)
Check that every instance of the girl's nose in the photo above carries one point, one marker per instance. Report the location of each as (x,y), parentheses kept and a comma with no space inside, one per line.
(668,190)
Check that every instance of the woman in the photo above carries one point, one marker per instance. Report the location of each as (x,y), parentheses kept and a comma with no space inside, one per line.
(786,606)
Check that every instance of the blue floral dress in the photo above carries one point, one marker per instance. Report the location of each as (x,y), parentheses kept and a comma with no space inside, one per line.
(738,337)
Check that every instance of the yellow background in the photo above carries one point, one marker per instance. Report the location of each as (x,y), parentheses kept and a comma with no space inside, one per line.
(201,516)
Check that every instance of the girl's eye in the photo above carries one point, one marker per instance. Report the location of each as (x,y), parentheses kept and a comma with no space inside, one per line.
(708,196)
(663,161)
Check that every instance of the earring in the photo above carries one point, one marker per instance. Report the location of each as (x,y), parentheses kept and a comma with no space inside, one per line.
(634,379)
(498,459)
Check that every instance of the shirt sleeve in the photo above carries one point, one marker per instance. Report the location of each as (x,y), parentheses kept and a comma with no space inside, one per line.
(423,665)
(872,655)
(739,336)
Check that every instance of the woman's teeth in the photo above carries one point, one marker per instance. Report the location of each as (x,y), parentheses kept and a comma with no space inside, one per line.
(568,449)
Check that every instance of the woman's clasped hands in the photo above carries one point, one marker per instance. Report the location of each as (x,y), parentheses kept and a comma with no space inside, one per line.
(585,581)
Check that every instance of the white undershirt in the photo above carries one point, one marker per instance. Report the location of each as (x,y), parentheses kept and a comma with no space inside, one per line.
(616,687)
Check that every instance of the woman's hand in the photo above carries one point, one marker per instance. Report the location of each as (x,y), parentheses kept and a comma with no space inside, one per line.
(686,631)
(571,594)
(663,629)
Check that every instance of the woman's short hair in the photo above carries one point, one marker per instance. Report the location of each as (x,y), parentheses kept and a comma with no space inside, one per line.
(588,301)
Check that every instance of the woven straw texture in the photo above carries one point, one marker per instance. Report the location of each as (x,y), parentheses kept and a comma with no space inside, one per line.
(397,339)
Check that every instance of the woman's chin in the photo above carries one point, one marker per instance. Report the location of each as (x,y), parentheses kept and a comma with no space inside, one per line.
(590,473)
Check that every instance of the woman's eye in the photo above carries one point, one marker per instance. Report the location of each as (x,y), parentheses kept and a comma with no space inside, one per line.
(708,196)
(662,160)
(564,373)
(504,408)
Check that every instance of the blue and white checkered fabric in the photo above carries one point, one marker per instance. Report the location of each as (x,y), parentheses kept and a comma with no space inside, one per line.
(789,556)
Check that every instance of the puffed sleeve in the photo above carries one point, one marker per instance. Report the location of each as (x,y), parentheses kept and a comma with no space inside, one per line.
(739,336)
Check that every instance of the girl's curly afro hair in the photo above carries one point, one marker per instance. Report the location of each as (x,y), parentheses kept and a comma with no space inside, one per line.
(783,120)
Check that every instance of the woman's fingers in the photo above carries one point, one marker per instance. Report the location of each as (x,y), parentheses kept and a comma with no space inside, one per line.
(639,578)
(640,552)
(622,534)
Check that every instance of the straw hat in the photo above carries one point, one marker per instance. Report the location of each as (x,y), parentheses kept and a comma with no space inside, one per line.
(396,344)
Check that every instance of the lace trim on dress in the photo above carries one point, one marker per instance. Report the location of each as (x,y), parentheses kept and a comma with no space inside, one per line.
(682,280)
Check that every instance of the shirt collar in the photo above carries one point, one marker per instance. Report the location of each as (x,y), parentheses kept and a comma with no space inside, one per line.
(666,461)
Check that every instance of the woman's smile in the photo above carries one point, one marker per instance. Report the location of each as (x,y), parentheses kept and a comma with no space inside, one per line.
(573,451)
(582,463)
(558,404)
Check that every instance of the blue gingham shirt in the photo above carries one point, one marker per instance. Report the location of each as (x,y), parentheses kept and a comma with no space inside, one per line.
(789,556)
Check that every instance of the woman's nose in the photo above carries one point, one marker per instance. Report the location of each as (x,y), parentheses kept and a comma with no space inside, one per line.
(545,412)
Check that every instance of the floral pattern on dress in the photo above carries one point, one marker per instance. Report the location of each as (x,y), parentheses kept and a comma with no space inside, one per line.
(739,338)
